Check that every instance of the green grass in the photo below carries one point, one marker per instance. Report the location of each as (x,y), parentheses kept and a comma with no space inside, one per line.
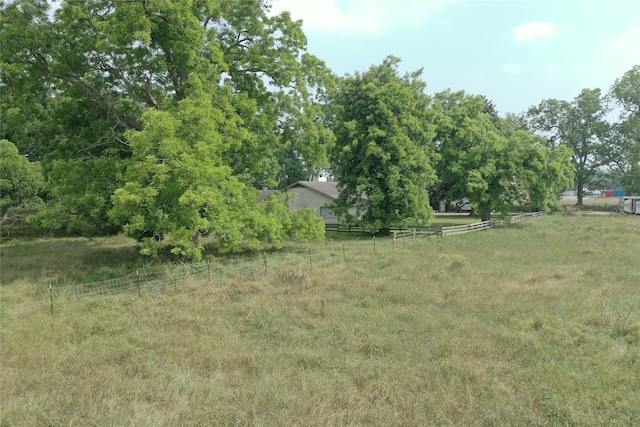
(66,260)
(535,324)
(452,220)
(597,204)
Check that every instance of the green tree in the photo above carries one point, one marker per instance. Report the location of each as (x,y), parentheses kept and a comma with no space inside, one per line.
(105,63)
(21,181)
(540,174)
(472,162)
(177,186)
(623,146)
(581,126)
(383,129)
(492,161)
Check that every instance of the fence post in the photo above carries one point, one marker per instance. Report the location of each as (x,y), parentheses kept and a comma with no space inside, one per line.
(374,244)
(209,270)
(138,282)
(264,254)
(51,297)
(395,233)
(414,235)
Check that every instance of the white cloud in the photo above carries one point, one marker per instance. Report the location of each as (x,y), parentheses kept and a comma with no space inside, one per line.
(615,56)
(358,16)
(512,69)
(535,30)
(552,67)
(317,14)
(625,47)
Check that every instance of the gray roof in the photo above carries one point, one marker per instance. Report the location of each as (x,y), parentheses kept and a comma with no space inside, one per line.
(326,188)
(265,194)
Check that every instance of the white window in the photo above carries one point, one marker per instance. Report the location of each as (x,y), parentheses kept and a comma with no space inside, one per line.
(326,212)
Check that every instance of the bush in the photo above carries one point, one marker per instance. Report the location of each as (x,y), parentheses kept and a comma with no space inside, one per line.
(306,226)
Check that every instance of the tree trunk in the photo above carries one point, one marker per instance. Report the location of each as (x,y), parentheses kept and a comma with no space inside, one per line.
(485,212)
(580,192)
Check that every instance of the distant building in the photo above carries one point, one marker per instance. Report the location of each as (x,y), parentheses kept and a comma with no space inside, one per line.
(319,195)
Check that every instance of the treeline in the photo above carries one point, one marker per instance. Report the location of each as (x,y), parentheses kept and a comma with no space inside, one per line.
(164,119)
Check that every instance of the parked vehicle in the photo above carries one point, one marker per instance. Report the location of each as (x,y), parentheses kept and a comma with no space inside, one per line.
(630,205)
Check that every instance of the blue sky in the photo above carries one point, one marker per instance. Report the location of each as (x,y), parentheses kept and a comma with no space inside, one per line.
(515,52)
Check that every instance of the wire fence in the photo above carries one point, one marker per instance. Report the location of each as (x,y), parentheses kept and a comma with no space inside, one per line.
(52,300)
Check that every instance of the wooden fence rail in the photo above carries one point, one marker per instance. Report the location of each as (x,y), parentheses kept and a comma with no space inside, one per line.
(469,228)
(426,231)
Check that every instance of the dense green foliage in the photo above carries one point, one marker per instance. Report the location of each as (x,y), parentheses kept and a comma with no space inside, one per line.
(112,75)
(306,226)
(492,163)
(602,148)
(162,119)
(21,181)
(623,148)
(580,125)
(383,146)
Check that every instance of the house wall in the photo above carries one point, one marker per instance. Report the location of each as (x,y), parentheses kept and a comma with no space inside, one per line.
(306,197)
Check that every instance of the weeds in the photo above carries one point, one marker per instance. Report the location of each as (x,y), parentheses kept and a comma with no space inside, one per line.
(533,325)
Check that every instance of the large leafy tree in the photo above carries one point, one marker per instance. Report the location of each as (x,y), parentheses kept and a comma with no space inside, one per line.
(104,64)
(580,125)
(493,162)
(540,174)
(473,160)
(623,145)
(178,187)
(383,151)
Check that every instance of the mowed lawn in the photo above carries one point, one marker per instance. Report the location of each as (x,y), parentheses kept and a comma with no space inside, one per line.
(535,324)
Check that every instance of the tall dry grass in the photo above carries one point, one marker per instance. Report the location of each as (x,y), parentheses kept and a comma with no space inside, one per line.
(533,324)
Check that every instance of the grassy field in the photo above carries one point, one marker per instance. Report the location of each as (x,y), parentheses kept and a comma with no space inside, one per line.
(534,324)
(32,260)
(602,204)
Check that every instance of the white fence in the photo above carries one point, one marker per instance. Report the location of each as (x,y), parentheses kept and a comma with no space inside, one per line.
(418,232)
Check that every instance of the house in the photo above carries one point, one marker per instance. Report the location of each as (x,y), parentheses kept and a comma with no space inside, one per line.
(319,195)
(316,194)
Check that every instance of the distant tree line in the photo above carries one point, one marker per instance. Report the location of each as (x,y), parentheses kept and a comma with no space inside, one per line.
(163,119)
(600,149)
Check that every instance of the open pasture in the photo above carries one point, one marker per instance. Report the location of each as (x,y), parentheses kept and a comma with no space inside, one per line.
(533,324)
(604,204)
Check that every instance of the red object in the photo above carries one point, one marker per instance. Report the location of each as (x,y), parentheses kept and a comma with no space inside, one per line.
(608,193)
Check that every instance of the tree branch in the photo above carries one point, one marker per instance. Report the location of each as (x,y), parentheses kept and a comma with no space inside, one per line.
(125,122)
(145,5)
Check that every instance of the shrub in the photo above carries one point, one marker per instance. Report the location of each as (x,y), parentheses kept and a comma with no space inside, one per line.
(306,226)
